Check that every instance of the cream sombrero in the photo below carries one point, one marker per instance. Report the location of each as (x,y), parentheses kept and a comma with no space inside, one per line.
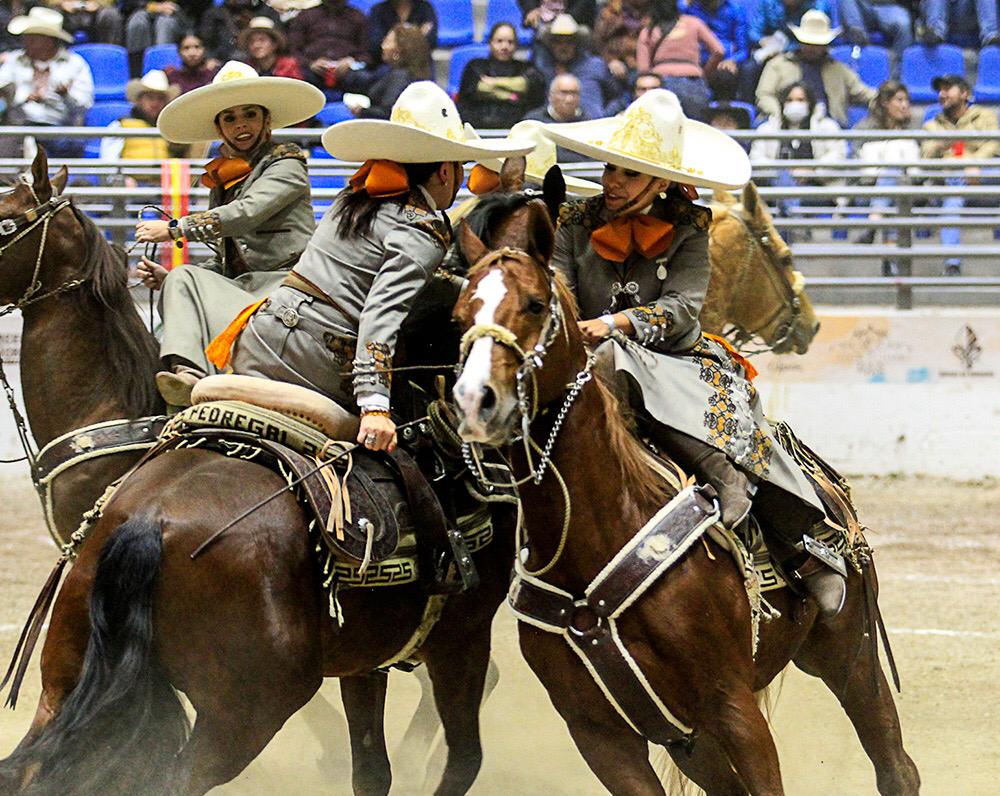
(191,117)
(424,127)
(814,28)
(654,137)
(153,82)
(41,22)
(540,159)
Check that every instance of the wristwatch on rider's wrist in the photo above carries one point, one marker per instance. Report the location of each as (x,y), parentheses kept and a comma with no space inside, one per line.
(610,321)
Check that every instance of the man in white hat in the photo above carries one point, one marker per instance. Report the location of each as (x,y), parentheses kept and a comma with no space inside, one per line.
(259,219)
(636,259)
(834,84)
(45,84)
(149,95)
(334,324)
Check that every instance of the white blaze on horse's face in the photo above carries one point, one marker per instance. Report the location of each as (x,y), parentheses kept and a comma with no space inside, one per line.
(474,383)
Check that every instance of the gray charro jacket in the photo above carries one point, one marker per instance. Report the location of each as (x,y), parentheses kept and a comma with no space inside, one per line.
(662,297)
(269,217)
(374,279)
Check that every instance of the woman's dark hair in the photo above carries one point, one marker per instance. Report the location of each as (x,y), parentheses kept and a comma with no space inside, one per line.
(497,27)
(663,14)
(810,97)
(414,51)
(888,90)
(357,209)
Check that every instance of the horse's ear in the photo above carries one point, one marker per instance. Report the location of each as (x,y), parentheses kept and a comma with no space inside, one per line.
(59,181)
(721,197)
(752,202)
(512,174)
(554,191)
(472,248)
(541,233)
(40,176)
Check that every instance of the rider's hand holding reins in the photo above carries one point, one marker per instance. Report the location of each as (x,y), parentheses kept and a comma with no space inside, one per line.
(152,274)
(597,329)
(378,432)
(152,231)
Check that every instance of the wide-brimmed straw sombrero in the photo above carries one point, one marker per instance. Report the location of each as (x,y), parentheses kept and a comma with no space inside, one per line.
(423,127)
(41,22)
(654,137)
(191,117)
(814,28)
(540,159)
(155,81)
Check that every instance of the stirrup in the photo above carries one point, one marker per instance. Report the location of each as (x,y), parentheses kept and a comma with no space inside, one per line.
(453,570)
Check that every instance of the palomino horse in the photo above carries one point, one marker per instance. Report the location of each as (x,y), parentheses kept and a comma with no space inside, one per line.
(690,633)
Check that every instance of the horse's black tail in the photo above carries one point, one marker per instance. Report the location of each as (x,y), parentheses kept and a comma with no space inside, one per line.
(120,729)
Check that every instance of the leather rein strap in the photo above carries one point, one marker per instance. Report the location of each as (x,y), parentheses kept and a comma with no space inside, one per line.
(589,624)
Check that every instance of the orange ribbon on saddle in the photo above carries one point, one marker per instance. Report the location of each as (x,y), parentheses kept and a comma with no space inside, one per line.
(380,178)
(750,370)
(225,172)
(483,180)
(617,239)
(220,350)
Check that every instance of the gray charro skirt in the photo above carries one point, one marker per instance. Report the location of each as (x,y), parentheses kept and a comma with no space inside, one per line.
(705,394)
(295,339)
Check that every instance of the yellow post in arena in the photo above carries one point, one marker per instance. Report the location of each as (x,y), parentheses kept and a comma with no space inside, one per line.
(175,184)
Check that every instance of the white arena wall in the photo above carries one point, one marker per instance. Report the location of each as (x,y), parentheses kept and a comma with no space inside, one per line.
(880,392)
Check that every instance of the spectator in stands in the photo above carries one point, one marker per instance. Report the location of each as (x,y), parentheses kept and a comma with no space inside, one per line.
(195,70)
(329,40)
(959,22)
(45,84)
(890,111)
(892,20)
(150,23)
(148,95)
(97,20)
(384,16)
(267,49)
(727,19)
(957,114)
(834,84)
(799,110)
(405,60)
(563,106)
(221,26)
(616,35)
(770,35)
(540,13)
(644,81)
(670,45)
(562,50)
(497,91)
(724,116)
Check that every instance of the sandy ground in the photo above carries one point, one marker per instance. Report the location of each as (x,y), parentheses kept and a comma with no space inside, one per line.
(938,552)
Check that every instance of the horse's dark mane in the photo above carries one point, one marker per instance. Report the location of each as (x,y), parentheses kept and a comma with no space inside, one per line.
(128,349)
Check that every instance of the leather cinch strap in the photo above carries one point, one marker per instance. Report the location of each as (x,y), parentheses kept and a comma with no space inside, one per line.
(589,625)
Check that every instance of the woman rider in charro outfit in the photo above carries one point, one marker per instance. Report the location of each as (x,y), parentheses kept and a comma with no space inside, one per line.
(259,219)
(636,258)
(333,325)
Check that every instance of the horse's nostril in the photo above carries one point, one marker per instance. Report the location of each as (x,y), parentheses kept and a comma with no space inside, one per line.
(489,398)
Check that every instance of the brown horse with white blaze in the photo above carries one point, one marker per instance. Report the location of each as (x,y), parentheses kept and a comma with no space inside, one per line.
(690,632)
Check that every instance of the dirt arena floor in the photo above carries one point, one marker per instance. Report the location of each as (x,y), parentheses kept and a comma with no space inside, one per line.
(938,551)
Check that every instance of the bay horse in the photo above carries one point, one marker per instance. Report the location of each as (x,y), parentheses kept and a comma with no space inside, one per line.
(690,633)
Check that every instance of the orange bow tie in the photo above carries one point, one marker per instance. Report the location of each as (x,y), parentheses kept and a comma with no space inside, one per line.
(483,180)
(226,172)
(617,239)
(380,178)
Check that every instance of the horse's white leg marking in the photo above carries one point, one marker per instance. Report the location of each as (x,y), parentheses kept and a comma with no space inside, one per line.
(479,364)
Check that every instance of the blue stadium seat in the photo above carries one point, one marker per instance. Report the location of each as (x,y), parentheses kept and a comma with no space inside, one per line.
(109,66)
(921,64)
(363,5)
(460,56)
(931,112)
(508,11)
(454,22)
(872,64)
(332,113)
(160,56)
(855,113)
(988,77)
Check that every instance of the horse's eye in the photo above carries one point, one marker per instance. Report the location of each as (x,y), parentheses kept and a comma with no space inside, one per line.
(535,306)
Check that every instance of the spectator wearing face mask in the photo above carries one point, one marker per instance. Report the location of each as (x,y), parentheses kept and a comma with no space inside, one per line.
(497,91)
(799,110)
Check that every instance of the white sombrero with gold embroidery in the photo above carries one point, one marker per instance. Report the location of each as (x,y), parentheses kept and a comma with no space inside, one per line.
(423,127)
(540,159)
(654,137)
(191,117)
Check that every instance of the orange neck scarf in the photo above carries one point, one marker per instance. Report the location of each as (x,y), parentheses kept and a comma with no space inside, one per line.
(381,178)
(225,172)
(617,239)
(483,180)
